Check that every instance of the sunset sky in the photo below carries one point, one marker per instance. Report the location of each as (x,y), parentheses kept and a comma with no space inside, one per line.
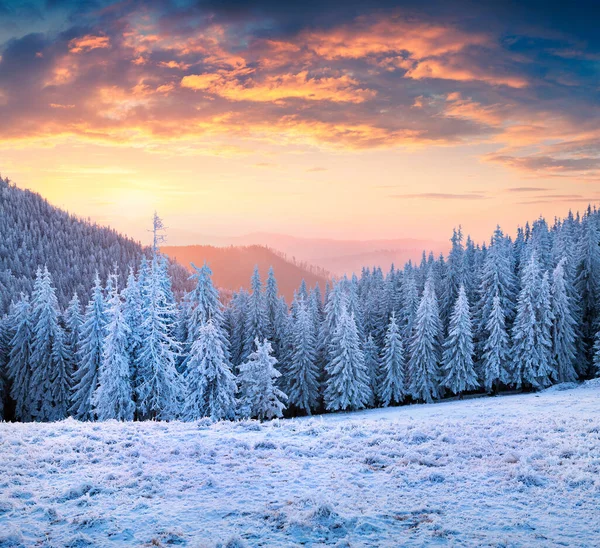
(313,118)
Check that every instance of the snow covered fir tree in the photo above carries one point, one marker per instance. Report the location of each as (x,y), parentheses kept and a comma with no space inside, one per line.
(512,313)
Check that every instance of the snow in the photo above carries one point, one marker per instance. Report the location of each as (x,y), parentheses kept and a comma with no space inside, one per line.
(518,470)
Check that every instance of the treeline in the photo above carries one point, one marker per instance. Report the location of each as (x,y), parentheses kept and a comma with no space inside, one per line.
(520,313)
(33,233)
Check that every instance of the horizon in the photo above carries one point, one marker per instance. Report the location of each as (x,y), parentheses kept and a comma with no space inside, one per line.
(394,121)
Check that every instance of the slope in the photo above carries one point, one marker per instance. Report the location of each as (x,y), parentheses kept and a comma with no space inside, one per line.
(507,471)
(232,266)
(34,233)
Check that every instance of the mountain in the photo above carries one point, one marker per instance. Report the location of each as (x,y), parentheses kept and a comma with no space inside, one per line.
(232,266)
(337,256)
(34,233)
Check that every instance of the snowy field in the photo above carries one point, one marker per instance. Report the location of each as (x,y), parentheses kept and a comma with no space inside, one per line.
(510,471)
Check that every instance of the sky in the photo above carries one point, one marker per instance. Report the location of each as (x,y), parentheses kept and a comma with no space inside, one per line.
(353,120)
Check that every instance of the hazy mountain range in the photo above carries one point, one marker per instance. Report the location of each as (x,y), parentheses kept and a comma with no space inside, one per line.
(336,256)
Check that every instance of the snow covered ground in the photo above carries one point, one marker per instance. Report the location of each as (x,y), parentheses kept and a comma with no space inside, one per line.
(510,471)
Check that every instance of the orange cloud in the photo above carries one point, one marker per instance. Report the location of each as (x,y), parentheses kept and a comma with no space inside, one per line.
(451,70)
(491,115)
(174,65)
(343,89)
(369,36)
(88,43)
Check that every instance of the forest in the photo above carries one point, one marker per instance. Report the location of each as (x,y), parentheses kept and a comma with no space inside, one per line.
(512,313)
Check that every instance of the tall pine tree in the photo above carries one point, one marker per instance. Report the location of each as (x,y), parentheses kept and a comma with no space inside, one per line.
(49,386)
(458,371)
(91,344)
(113,398)
(393,383)
(347,386)
(209,383)
(424,363)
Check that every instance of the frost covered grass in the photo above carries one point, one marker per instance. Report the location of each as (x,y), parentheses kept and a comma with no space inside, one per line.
(509,471)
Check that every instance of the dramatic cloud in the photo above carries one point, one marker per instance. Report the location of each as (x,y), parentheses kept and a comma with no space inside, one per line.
(143,73)
(87,43)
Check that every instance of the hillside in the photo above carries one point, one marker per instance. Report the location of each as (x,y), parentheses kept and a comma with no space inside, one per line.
(506,471)
(35,233)
(232,266)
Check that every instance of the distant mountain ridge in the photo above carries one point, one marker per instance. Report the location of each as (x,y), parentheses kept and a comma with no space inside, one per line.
(336,256)
(232,266)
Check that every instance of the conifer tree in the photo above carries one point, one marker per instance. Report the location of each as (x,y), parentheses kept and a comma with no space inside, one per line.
(237,313)
(159,388)
(546,372)
(19,360)
(256,316)
(73,323)
(458,371)
(373,368)
(134,318)
(587,283)
(393,384)
(274,313)
(529,351)
(260,397)
(424,364)
(455,276)
(496,357)
(497,279)
(91,342)
(303,372)
(5,336)
(205,305)
(209,383)
(49,386)
(113,398)
(347,386)
(410,304)
(596,357)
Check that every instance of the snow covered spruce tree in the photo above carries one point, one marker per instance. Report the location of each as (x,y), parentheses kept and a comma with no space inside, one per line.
(457,363)
(392,387)
(235,315)
(495,363)
(275,313)
(454,278)
(409,299)
(546,372)
(373,368)
(303,373)
(113,398)
(49,385)
(530,365)
(133,316)
(347,386)
(259,396)
(256,316)
(91,341)
(424,364)
(5,337)
(19,359)
(73,323)
(497,279)
(204,305)
(210,386)
(596,356)
(587,282)
(159,389)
